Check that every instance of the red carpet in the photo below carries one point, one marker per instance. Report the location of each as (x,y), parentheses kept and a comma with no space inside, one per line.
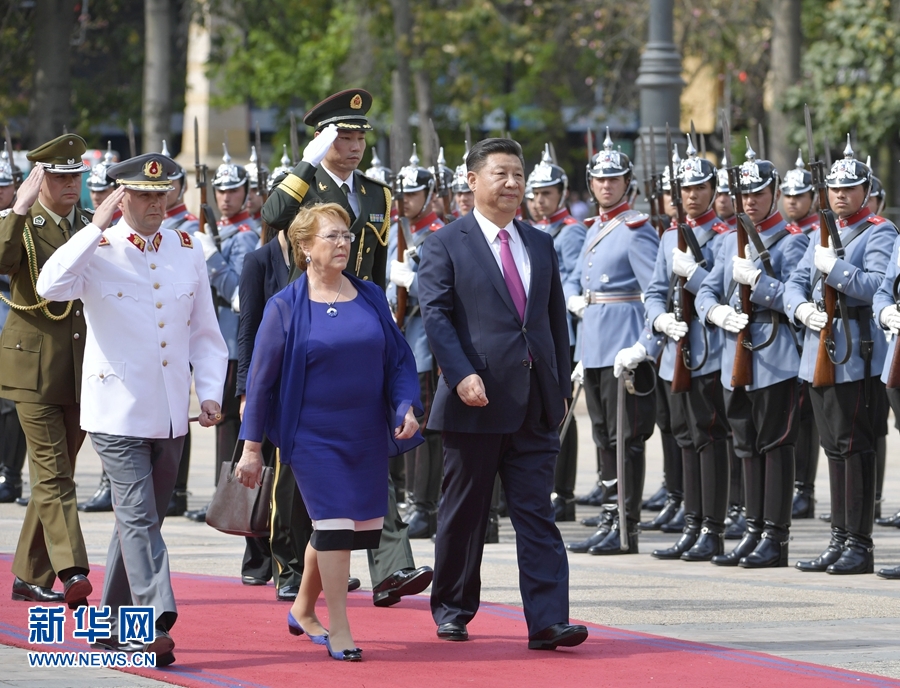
(232,635)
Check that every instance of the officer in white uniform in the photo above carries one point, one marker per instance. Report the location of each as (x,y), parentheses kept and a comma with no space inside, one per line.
(150,318)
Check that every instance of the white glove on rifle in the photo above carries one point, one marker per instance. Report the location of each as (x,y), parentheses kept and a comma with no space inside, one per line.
(683,264)
(728,319)
(315,150)
(825,258)
(578,373)
(890,318)
(576,305)
(744,270)
(812,317)
(207,243)
(628,359)
(401,274)
(669,326)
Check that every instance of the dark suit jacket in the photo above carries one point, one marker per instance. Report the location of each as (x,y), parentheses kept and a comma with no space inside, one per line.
(264,274)
(473,327)
(309,185)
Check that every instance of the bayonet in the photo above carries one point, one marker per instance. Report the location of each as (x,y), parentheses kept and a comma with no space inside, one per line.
(131,144)
(761,140)
(295,146)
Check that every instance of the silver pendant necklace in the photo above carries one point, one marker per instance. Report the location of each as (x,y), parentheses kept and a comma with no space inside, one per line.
(331,312)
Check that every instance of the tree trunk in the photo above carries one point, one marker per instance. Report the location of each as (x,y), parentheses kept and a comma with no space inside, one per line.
(157,73)
(51,99)
(401,145)
(786,40)
(424,106)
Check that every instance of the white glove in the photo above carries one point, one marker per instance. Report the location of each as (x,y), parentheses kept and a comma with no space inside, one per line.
(628,359)
(825,258)
(236,301)
(728,319)
(744,271)
(812,317)
(683,264)
(890,318)
(207,243)
(669,326)
(578,373)
(316,149)
(576,305)
(401,274)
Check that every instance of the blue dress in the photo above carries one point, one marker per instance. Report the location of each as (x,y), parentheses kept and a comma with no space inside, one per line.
(340,443)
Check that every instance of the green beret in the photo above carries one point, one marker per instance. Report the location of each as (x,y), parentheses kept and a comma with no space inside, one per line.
(62,155)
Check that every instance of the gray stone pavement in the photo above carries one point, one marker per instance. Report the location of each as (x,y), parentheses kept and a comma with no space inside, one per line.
(851,622)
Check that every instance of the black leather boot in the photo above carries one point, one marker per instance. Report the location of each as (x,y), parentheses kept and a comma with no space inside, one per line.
(856,557)
(714,469)
(804,505)
(893,520)
(858,553)
(747,544)
(831,554)
(669,511)
(806,458)
(880,460)
(672,470)
(676,523)
(772,550)
(684,543)
(595,539)
(735,523)
(101,499)
(657,501)
(709,544)
(606,472)
(837,476)
(177,503)
(598,520)
(612,543)
(563,509)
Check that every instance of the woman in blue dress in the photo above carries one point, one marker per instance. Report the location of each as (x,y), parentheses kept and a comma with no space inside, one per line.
(333,384)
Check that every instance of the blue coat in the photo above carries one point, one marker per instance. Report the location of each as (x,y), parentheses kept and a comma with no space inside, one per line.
(710,233)
(858,275)
(413,328)
(277,374)
(780,360)
(884,298)
(568,240)
(474,327)
(622,263)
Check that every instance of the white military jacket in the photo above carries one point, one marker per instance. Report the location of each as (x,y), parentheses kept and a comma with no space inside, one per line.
(150,317)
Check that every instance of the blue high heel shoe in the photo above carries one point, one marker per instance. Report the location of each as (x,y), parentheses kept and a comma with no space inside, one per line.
(354,655)
(296,629)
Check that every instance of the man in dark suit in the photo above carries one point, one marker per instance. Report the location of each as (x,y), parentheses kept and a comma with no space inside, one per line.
(495,316)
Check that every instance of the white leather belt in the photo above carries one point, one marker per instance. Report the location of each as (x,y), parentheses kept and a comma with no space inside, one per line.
(591,297)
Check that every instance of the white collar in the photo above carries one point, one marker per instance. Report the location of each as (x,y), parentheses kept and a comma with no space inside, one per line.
(491,230)
(337,180)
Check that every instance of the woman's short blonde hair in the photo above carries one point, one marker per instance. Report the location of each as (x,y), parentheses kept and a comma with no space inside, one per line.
(306,225)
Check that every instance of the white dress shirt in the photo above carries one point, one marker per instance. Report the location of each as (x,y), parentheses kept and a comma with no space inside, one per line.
(150,318)
(516,246)
(351,194)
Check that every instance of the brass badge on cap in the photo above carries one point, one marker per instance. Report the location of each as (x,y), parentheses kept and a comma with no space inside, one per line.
(356,102)
(152,169)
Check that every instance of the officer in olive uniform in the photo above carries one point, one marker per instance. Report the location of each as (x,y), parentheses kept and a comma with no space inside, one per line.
(41,352)
(336,180)
(12,440)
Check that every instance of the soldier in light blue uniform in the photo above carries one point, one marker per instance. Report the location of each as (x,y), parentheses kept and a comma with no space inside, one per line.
(549,187)
(238,236)
(697,416)
(615,268)
(424,465)
(846,412)
(799,201)
(887,315)
(762,415)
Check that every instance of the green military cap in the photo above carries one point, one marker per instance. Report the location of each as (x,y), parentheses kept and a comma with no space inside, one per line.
(62,155)
(148,172)
(346,109)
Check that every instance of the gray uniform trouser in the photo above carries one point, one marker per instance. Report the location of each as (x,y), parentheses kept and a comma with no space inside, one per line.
(394,551)
(142,473)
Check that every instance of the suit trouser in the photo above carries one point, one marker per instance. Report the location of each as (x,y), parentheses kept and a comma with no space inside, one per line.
(525,461)
(142,474)
(50,541)
(12,441)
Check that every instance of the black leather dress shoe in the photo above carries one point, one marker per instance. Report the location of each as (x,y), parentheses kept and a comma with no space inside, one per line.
(10,488)
(684,543)
(452,630)
(101,499)
(770,552)
(422,524)
(76,590)
(198,515)
(407,581)
(26,592)
(492,533)
(162,647)
(287,593)
(253,580)
(177,504)
(353,584)
(892,521)
(658,501)
(563,509)
(709,544)
(890,574)
(558,635)
(23,501)
(831,554)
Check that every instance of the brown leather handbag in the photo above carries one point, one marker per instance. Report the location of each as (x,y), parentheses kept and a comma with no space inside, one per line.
(239,510)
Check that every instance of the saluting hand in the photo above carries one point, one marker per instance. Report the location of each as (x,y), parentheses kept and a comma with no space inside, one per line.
(104,212)
(28,192)
(471,391)
(409,426)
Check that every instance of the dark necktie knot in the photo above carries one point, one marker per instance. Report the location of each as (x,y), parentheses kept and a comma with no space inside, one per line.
(65,226)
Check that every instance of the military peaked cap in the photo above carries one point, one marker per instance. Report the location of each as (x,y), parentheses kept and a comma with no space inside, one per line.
(148,172)
(62,155)
(346,109)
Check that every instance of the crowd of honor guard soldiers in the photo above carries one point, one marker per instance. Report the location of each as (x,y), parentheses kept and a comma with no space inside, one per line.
(714,309)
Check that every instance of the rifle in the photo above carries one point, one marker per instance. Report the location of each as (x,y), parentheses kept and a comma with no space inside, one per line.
(649,187)
(440,186)
(662,220)
(262,187)
(742,368)
(761,141)
(590,157)
(207,218)
(131,145)
(823,376)
(684,307)
(295,147)
(404,235)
